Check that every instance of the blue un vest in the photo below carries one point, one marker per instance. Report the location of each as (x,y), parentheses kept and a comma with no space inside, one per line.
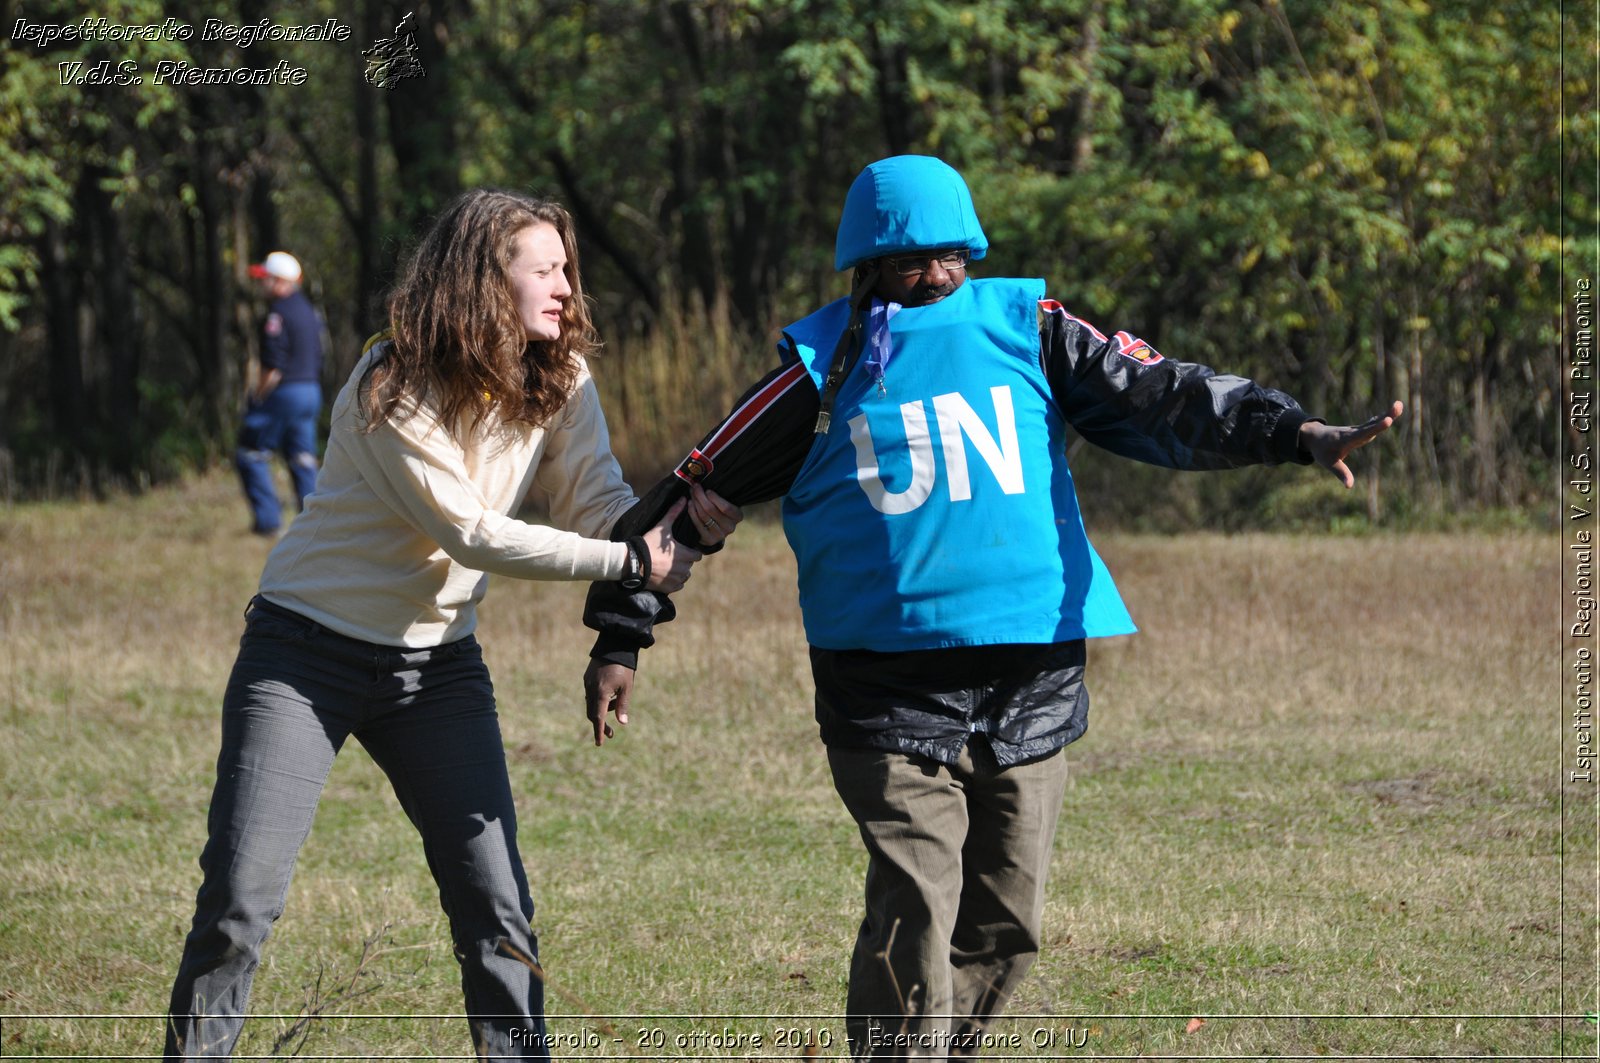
(938,511)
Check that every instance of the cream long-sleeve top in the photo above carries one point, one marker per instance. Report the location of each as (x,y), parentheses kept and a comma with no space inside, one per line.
(408,521)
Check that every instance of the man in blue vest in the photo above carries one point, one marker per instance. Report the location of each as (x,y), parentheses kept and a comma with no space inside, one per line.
(916,433)
(282,409)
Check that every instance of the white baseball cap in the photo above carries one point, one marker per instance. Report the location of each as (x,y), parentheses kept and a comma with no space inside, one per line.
(278,264)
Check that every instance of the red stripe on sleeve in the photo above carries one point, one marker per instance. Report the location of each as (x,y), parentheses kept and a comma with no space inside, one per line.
(1050,306)
(753,407)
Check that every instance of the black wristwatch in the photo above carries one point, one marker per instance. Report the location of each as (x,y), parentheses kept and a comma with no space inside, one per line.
(637,568)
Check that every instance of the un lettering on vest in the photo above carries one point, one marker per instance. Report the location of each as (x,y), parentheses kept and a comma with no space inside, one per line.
(956,419)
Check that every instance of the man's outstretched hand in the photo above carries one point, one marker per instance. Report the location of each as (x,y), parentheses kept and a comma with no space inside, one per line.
(1329,444)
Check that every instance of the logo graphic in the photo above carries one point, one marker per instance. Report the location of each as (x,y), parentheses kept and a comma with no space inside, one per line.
(392,60)
(956,419)
(1137,349)
(695,467)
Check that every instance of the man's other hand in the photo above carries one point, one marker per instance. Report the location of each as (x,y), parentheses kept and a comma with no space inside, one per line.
(606,689)
(1329,445)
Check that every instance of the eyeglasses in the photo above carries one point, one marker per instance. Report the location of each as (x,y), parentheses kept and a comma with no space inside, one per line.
(911,265)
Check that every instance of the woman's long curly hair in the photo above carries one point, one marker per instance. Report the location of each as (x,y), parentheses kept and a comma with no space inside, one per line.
(457,337)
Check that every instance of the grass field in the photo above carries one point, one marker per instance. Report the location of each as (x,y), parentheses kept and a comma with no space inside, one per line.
(1318,807)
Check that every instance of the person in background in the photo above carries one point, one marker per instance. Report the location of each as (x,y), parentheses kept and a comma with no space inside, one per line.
(281,411)
(476,400)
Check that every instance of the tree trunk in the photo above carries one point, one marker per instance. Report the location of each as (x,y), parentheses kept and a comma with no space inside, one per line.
(421,117)
(699,254)
(59,280)
(118,333)
(367,314)
(894,111)
(1084,107)
(218,378)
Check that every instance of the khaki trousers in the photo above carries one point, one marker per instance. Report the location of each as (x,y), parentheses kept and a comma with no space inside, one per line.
(954,892)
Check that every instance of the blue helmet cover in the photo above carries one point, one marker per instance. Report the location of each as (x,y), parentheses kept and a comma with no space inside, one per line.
(907,203)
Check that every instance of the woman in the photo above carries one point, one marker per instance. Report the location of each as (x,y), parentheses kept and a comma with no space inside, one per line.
(476,399)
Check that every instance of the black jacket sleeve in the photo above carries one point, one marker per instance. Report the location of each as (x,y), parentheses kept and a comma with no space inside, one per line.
(751,456)
(1121,394)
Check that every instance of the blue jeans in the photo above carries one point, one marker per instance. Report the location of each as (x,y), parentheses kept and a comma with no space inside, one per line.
(428,719)
(284,423)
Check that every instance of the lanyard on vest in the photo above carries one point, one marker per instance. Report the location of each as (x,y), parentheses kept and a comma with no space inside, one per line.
(849,345)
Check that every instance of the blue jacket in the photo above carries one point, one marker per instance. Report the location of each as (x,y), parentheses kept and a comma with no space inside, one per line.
(291,339)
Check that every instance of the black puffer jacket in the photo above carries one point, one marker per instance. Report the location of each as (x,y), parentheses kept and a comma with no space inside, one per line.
(1027,700)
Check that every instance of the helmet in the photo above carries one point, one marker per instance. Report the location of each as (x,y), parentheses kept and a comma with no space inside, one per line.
(906,203)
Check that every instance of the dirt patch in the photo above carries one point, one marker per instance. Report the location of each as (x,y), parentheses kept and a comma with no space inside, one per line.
(1415,792)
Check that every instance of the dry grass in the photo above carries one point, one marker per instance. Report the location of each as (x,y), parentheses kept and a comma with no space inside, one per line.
(1322,781)
(662,389)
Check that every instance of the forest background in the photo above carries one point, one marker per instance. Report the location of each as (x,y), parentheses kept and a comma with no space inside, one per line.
(1352,201)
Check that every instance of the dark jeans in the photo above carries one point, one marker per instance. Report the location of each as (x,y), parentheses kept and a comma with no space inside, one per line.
(428,719)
